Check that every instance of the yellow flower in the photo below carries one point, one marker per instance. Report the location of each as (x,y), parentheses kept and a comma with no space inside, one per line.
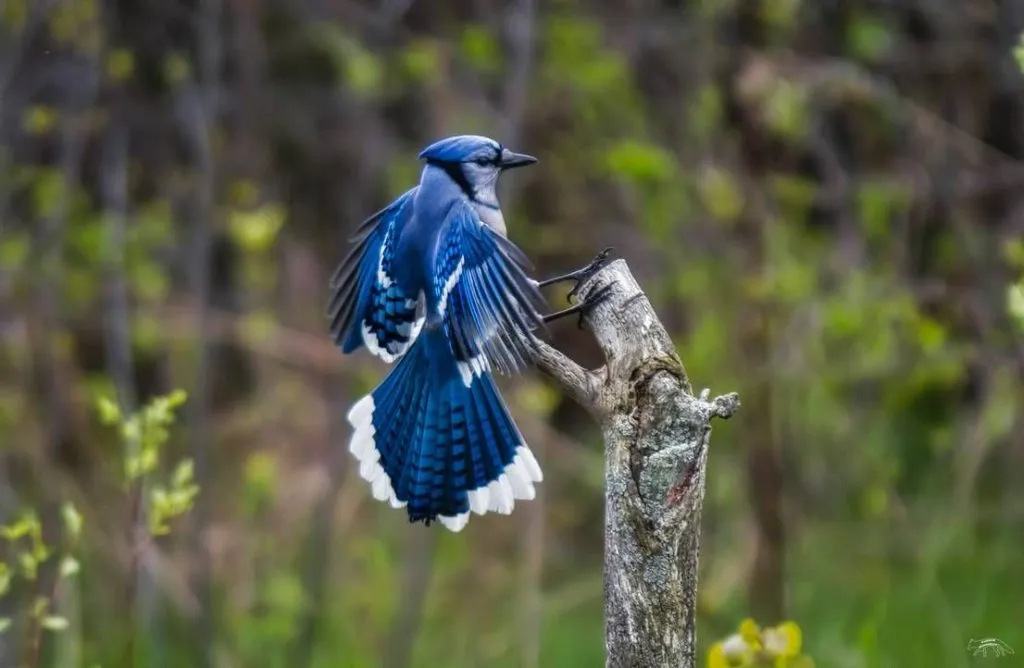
(737,651)
(716,657)
(751,634)
(784,640)
(777,646)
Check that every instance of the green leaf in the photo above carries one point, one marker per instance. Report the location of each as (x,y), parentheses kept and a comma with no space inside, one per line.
(69,566)
(108,411)
(176,69)
(74,23)
(40,551)
(706,111)
(14,14)
(29,565)
(5,623)
(25,526)
(260,470)
(364,72)
(869,38)
(785,109)
(481,49)
(5,578)
(1015,302)
(158,499)
(284,592)
(38,120)
(421,60)
(256,230)
(72,519)
(120,64)
(40,606)
(181,500)
(131,430)
(176,398)
(721,195)
(780,13)
(877,201)
(1013,251)
(48,189)
(641,162)
(149,280)
(360,68)
(8,532)
(55,623)
(14,250)
(183,473)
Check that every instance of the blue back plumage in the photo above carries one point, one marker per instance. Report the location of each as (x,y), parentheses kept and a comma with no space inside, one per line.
(430,285)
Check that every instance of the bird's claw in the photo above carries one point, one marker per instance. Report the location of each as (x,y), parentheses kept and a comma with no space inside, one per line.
(592,300)
(579,276)
(595,265)
(581,308)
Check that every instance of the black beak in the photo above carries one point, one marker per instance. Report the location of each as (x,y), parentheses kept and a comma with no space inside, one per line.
(510,160)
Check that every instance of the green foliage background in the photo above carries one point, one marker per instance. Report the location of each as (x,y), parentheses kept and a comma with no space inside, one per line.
(821,198)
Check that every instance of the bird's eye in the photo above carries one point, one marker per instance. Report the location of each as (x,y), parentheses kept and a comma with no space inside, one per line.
(483,162)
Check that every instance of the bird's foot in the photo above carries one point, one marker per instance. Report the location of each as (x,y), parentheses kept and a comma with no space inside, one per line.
(581,275)
(582,307)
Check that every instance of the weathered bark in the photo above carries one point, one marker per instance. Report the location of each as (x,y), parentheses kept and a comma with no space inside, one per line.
(656,438)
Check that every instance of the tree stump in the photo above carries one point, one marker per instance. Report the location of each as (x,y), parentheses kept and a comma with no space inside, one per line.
(656,435)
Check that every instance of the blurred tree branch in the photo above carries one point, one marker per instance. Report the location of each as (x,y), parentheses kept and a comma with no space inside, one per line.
(656,437)
(519,21)
(199,105)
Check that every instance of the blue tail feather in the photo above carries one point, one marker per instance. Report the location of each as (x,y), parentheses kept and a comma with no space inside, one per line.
(440,441)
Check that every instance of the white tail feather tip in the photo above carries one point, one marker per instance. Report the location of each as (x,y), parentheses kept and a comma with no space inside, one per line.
(360,411)
(479,500)
(455,523)
(530,463)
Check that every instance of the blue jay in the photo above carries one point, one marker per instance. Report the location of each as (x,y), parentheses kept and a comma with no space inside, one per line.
(433,285)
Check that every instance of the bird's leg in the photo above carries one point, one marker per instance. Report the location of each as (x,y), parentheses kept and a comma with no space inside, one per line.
(580,275)
(582,307)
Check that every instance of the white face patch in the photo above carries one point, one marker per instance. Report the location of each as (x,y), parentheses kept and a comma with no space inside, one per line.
(481,177)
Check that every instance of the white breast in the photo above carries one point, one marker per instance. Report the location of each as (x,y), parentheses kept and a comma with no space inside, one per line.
(492,218)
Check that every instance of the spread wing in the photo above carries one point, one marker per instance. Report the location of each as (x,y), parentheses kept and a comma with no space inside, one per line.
(367,306)
(490,308)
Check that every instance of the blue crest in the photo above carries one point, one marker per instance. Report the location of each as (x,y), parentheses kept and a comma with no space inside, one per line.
(462,148)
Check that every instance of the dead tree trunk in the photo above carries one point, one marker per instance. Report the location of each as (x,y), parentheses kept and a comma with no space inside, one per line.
(656,440)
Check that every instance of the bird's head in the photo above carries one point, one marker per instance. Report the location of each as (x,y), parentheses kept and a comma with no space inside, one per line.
(475,162)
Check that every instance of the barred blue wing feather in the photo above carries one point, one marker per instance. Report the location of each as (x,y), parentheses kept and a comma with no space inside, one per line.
(368,306)
(490,308)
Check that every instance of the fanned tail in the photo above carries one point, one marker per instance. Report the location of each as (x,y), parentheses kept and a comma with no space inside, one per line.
(439,441)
